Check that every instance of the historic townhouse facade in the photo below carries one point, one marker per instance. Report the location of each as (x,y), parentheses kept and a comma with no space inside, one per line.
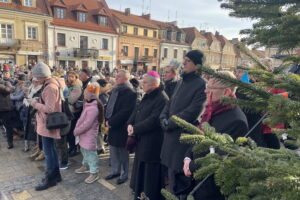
(227,51)
(172,43)
(138,43)
(215,51)
(82,34)
(23,28)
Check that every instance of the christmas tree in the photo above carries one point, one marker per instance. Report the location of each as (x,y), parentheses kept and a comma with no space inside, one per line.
(240,168)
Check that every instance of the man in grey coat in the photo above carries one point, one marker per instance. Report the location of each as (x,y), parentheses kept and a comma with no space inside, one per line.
(186,103)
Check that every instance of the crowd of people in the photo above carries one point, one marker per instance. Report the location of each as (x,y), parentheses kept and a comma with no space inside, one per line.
(132,114)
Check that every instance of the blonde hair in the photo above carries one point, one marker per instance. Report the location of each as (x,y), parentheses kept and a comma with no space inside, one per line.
(231,75)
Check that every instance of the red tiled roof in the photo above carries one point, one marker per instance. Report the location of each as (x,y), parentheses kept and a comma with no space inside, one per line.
(210,37)
(166,25)
(41,7)
(192,33)
(80,7)
(133,19)
(60,3)
(92,8)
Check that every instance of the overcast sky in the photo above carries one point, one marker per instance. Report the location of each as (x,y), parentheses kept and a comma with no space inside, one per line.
(202,14)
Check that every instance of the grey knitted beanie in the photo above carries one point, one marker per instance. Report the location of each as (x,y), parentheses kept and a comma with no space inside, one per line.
(41,70)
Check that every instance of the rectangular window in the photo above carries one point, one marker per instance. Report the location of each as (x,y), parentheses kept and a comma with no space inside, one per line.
(83,42)
(104,43)
(28,3)
(102,20)
(155,53)
(178,36)
(6,31)
(61,39)
(145,32)
(60,13)
(136,52)
(124,29)
(81,17)
(165,52)
(32,33)
(175,53)
(135,31)
(125,50)
(146,51)
(154,34)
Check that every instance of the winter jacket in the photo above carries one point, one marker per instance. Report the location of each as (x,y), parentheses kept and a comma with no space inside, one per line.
(75,93)
(232,122)
(87,126)
(17,97)
(170,87)
(186,103)
(5,89)
(52,103)
(146,126)
(123,107)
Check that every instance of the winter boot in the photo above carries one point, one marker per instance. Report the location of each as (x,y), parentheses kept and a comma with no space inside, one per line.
(48,181)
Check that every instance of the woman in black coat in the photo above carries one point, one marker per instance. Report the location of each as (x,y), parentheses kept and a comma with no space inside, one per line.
(144,125)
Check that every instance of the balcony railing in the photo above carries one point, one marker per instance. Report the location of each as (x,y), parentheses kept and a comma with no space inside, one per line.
(86,53)
(9,43)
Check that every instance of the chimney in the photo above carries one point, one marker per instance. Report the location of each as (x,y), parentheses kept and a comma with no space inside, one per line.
(146,16)
(217,34)
(202,31)
(127,11)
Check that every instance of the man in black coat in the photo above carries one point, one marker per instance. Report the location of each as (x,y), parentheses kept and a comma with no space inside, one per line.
(145,127)
(186,103)
(225,119)
(118,110)
(170,81)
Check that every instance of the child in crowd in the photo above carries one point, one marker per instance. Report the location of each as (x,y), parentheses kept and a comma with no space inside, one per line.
(86,132)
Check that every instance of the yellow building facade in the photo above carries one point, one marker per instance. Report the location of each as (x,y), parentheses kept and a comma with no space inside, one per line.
(138,43)
(23,38)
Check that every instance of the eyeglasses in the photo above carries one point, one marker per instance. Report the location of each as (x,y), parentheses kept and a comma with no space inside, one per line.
(215,88)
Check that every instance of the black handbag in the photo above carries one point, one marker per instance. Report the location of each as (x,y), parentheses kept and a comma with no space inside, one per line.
(57,120)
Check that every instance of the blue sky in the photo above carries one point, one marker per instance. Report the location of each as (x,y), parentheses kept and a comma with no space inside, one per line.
(203,14)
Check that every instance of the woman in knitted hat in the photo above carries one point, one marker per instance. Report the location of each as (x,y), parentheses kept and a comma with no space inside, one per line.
(86,131)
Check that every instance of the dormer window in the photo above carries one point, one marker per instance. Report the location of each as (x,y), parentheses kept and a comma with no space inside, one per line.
(178,36)
(169,35)
(102,20)
(28,3)
(81,16)
(60,13)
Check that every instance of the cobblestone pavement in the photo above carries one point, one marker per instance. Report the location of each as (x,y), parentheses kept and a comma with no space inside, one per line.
(19,175)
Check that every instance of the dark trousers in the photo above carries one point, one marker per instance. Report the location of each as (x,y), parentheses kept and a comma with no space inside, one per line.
(119,161)
(49,149)
(5,117)
(271,141)
(62,149)
(173,175)
(70,136)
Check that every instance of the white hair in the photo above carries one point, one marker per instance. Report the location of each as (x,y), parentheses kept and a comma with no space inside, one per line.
(152,79)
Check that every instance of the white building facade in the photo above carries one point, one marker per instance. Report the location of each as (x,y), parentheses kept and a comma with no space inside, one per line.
(70,47)
(172,53)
